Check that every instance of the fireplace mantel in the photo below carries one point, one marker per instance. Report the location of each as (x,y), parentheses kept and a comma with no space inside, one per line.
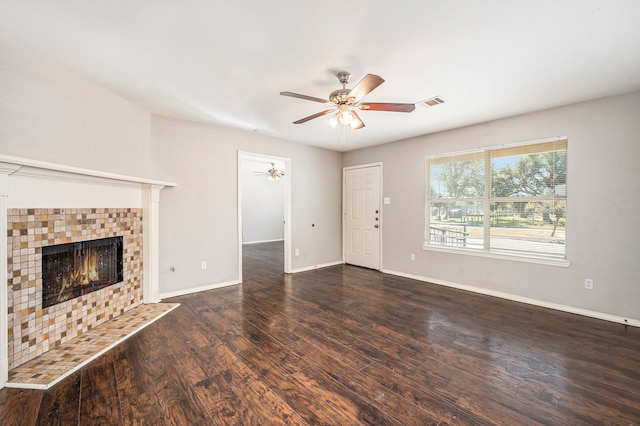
(10,165)
(28,183)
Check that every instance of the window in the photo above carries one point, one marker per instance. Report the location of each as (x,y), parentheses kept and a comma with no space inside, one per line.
(507,200)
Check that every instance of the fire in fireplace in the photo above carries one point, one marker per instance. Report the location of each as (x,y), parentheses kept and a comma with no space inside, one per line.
(71,270)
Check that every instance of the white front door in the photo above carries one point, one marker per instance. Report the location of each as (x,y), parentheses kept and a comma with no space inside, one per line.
(362,218)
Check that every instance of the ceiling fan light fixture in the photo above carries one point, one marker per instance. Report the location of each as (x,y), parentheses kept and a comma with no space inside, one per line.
(274,174)
(356,123)
(333,121)
(344,115)
(345,118)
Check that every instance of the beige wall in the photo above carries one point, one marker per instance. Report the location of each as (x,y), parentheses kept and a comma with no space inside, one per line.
(50,114)
(603,227)
(198,218)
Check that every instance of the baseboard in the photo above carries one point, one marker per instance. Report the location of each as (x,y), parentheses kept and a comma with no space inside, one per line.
(522,299)
(263,241)
(311,268)
(197,289)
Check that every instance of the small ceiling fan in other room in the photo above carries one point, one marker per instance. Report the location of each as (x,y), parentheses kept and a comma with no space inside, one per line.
(272,174)
(346,101)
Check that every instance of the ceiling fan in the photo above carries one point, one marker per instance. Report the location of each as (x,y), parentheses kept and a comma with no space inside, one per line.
(347,100)
(272,174)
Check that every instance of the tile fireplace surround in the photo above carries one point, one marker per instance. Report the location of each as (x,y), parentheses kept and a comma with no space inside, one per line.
(34,330)
(43,204)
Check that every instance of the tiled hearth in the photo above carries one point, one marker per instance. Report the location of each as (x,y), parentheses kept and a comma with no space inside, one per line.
(48,369)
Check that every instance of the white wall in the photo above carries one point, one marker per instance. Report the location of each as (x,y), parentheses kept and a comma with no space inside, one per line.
(53,115)
(198,218)
(262,203)
(603,226)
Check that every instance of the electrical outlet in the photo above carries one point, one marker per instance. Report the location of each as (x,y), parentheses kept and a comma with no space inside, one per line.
(203,265)
(588,283)
(413,257)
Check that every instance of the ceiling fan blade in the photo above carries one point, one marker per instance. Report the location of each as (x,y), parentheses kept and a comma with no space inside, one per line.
(309,98)
(316,115)
(357,122)
(382,106)
(365,86)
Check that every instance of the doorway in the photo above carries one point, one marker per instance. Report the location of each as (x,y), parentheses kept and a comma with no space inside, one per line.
(362,215)
(264,203)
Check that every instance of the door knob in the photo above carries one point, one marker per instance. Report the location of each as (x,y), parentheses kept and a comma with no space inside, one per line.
(376,211)
(376,226)
(376,218)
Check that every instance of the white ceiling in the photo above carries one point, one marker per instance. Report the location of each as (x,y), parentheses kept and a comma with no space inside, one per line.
(225,62)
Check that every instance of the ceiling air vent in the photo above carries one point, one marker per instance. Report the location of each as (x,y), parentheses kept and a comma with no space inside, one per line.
(436,100)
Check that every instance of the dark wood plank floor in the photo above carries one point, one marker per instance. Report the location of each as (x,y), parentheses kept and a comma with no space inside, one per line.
(345,345)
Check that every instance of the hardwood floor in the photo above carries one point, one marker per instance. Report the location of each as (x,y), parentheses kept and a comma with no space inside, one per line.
(346,345)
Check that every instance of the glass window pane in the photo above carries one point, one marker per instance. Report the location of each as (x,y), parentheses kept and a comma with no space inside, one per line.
(529,175)
(535,228)
(457,179)
(456,224)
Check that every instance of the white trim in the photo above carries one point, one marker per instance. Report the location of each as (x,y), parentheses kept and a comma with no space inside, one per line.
(198,289)
(490,255)
(521,299)
(88,360)
(314,267)
(362,166)
(5,171)
(151,242)
(263,241)
(20,161)
(380,208)
(239,211)
(499,146)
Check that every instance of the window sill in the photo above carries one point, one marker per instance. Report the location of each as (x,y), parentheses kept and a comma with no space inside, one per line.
(516,258)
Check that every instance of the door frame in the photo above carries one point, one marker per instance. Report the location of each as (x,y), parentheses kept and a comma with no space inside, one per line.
(344,208)
(242,155)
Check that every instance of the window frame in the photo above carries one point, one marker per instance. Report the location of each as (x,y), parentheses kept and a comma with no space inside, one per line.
(487,199)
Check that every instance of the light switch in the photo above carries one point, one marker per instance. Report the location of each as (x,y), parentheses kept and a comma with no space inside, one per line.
(387,200)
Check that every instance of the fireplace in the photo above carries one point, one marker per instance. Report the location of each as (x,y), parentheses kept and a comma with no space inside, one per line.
(36,234)
(74,269)
(83,205)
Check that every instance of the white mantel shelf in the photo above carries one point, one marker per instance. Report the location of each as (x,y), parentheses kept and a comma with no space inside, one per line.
(43,165)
